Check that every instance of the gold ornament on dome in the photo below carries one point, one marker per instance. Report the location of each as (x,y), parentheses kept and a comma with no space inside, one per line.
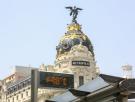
(73,27)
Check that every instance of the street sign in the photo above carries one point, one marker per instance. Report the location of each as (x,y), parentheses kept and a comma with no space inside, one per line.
(56,80)
(80,63)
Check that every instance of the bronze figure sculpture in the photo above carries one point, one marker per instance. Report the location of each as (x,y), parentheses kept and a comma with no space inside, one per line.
(74,12)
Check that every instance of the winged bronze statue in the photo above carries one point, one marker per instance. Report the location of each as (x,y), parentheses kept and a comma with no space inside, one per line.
(74,12)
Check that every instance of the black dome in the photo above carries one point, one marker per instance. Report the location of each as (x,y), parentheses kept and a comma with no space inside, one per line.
(74,36)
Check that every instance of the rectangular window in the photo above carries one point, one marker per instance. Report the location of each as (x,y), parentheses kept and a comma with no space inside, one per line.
(22,95)
(27,93)
(13,99)
(17,97)
(81,80)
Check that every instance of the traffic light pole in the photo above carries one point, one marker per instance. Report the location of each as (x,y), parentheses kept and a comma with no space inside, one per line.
(34,85)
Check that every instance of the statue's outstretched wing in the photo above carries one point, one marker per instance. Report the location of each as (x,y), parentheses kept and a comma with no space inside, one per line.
(69,7)
(79,9)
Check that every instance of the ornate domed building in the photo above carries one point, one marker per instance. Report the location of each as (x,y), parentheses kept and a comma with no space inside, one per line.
(75,55)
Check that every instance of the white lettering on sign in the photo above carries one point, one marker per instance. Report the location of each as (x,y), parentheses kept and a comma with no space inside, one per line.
(80,63)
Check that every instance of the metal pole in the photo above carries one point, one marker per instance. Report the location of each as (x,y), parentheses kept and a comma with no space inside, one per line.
(34,85)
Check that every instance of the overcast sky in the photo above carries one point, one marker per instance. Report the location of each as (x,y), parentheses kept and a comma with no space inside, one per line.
(31,29)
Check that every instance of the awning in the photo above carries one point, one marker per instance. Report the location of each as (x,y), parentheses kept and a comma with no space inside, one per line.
(102,89)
